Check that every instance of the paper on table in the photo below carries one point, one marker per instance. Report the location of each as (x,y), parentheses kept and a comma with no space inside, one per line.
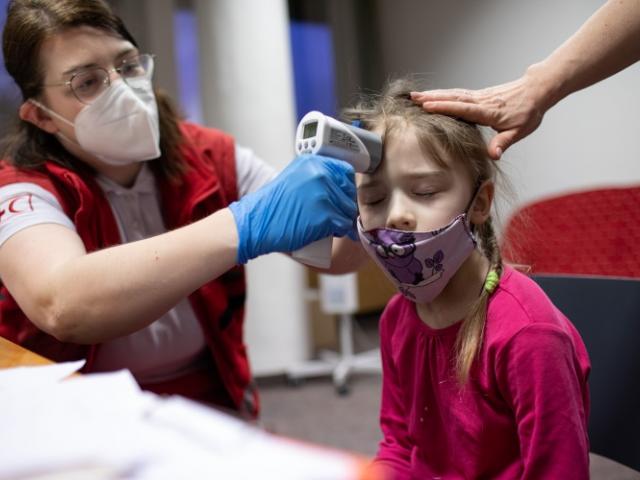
(104,421)
(91,421)
(221,446)
(38,376)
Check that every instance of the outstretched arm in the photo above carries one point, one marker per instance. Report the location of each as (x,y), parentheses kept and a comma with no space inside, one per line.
(85,297)
(607,42)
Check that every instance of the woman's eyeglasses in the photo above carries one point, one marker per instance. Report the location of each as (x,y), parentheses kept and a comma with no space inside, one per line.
(88,84)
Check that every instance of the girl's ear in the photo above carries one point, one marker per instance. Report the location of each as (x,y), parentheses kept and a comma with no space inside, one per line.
(481,207)
(30,112)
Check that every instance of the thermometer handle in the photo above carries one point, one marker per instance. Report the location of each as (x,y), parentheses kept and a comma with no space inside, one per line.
(316,254)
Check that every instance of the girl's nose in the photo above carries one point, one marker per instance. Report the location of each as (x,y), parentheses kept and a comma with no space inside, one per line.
(401,216)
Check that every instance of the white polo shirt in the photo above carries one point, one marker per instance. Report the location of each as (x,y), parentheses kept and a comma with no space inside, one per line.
(170,346)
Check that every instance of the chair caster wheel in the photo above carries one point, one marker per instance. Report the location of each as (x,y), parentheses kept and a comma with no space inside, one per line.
(342,390)
(295,382)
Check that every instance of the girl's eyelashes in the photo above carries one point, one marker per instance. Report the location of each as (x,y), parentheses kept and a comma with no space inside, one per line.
(371,196)
(424,193)
(371,201)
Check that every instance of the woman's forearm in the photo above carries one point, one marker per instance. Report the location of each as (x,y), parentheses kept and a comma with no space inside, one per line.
(116,291)
(606,43)
(90,298)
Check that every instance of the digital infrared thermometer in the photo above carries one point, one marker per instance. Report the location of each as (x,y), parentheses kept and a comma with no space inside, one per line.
(323,135)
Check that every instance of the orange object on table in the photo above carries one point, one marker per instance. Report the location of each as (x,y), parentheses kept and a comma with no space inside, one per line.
(12,355)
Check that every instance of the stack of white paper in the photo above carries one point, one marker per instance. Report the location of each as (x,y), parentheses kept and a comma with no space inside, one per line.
(104,426)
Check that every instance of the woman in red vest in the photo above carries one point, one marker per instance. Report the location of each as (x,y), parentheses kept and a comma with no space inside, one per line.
(122,228)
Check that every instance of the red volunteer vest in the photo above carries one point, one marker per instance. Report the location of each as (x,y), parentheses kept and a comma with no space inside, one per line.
(209,185)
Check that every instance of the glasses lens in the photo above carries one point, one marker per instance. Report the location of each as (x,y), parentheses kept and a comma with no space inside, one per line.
(89,84)
(139,66)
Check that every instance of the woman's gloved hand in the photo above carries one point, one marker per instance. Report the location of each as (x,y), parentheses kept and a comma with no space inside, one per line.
(312,198)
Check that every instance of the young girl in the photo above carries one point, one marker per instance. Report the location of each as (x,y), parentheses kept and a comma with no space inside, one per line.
(483,376)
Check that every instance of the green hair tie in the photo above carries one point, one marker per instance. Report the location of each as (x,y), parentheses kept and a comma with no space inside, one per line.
(491,282)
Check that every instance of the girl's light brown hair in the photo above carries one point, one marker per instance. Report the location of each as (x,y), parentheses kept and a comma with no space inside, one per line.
(29,23)
(438,135)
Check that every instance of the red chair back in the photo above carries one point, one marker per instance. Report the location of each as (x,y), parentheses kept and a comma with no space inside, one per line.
(594,232)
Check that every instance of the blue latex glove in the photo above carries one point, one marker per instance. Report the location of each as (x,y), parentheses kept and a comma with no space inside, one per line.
(312,198)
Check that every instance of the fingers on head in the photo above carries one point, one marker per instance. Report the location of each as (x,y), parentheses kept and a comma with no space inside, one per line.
(501,142)
(468,111)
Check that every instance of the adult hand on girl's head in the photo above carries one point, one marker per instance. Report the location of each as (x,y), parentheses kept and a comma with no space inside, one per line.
(513,109)
(312,198)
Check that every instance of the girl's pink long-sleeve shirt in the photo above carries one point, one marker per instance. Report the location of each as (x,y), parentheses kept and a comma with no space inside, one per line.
(523,414)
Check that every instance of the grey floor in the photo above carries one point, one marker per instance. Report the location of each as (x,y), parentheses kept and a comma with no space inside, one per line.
(314,412)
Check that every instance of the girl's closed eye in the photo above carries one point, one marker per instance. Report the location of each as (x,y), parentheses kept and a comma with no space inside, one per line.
(370,198)
(426,188)
(424,193)
(372,201)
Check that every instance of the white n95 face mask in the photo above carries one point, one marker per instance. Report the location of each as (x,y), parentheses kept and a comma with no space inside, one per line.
(121,126)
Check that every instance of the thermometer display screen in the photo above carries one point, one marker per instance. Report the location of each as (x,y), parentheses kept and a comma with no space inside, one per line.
(310,130)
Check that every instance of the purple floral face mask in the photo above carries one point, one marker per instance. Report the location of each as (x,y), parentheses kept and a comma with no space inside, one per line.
(420,264)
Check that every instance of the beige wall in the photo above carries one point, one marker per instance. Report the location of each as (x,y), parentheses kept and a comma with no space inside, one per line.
(587,140)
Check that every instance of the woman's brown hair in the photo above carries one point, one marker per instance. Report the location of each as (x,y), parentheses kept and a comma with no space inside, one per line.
(392,112)
(29,23)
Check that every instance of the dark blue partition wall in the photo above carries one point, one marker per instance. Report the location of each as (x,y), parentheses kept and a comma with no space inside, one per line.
(187,63)
(9,93)
(313,68)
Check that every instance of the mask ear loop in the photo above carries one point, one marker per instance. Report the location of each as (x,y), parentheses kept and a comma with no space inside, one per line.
(492,278)
(476,189)
(49,111)
(58,116)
